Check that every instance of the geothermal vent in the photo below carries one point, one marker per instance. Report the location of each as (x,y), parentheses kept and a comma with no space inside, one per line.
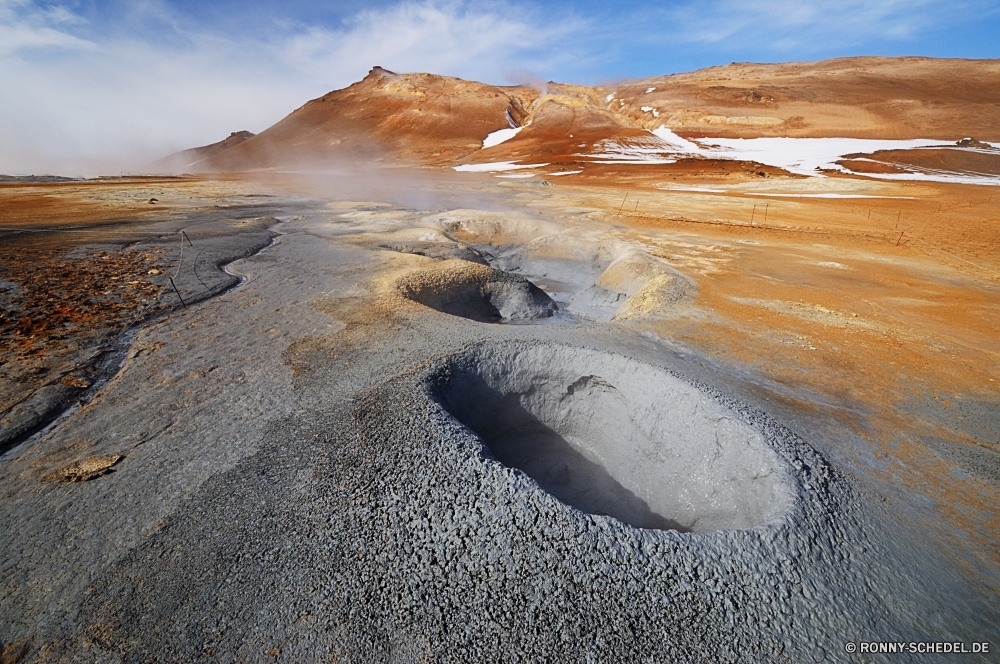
(613,436)
(477,292)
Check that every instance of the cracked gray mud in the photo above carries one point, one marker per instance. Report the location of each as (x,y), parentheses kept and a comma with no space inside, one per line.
(387,532)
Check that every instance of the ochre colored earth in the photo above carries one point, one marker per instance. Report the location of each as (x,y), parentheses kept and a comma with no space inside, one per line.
(439,120)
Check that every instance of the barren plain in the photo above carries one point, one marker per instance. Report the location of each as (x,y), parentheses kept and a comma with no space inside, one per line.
(664,406)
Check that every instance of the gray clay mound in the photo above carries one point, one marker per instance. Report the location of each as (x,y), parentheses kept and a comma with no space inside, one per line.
(477,292)
(613,436)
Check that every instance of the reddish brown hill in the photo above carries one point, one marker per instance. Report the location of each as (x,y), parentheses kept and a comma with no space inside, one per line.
(429,119)
(439,120)
(567,120)
(419,118)
(187,160)
(865,97)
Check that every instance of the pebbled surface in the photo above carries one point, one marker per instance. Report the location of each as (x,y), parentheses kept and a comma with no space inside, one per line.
(382,530)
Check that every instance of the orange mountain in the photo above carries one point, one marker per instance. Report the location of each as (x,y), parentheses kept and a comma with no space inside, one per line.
(189,159)
(425,119)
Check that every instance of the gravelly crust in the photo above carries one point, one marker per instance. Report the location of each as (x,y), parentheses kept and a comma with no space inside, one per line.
(384,531)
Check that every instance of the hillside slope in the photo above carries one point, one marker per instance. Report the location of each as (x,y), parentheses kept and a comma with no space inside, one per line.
(425,119)
(187,160)
(420,118)
(864,97)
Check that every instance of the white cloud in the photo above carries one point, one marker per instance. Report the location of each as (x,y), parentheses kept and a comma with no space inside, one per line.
(25,26)
(472,42)
(79,104)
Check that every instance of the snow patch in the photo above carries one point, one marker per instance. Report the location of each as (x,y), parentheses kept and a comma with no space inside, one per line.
(613,152)
(704,189)
(610,98)
(758,193)
(495,166)
(675,142)
(808,156)
(805,156)
(566,173)
(502,135)
(931,175)
(648,90)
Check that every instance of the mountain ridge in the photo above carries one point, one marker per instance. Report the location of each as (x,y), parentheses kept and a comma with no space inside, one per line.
(432,120)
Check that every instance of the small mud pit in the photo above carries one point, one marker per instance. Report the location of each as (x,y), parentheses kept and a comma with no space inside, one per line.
(477,292)
(609,435)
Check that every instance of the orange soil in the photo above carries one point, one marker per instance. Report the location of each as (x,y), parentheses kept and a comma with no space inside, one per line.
(822,302)
(954,160)
(52,204)
(67,280)
(864,97)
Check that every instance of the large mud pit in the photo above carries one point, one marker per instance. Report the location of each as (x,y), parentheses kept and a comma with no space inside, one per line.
(613,436)
(477,292)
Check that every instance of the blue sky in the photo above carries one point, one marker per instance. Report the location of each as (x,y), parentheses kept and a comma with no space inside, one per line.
(105,85)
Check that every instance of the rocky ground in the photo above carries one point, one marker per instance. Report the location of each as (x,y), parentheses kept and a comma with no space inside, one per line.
(294,469)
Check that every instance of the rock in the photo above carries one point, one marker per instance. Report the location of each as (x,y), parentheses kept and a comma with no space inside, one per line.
(973,143)
(76,381)
(88,469)
(33,412)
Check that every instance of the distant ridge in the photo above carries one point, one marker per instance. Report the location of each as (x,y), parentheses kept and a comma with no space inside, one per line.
(187,160)
(430,120)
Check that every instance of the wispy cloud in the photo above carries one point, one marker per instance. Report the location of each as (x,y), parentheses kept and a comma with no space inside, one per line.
(79,101)
(25,26)
(464,40)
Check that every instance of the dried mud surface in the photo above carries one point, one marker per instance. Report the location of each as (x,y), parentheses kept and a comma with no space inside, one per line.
(275,475)
(83,265)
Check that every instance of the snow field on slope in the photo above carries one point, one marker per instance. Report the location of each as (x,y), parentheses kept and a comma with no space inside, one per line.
(495,166)
(502,135)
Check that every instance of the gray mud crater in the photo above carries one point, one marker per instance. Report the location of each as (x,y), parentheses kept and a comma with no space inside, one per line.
(479,293)
(612,436)
(387,533)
